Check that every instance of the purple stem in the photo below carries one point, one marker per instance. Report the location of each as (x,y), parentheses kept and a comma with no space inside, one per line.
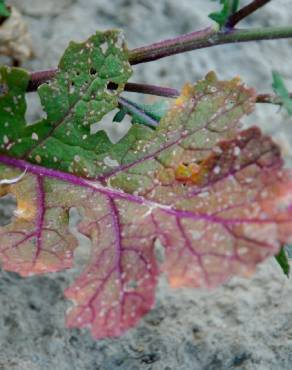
(133,109)
(245,12)
(166,92)
(39,78)
(176,45)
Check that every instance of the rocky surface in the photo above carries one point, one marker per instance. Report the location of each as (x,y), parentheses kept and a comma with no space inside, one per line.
(246,324)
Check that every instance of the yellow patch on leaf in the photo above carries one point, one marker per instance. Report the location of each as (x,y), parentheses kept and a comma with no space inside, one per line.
(25,210)
(190,173)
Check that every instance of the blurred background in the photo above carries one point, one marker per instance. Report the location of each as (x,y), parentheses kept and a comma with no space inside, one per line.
(247,324)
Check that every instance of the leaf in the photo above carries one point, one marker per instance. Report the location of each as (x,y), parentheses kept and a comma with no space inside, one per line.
(15,40)
(282,92)
(283,261)
(229,7)
(207,191)
(74,100)
(4,10)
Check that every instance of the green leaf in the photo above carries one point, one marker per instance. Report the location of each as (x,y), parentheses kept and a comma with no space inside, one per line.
(120,115)
(282,259)
(74,100)
(4,10)
(228,8)
(282,92)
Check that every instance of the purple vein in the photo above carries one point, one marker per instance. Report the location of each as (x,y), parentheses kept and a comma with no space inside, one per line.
(118,243)
(40,215)
(119,194)
(117,230)
(192,251)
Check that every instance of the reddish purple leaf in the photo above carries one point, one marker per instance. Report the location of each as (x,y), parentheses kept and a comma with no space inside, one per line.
(209,193)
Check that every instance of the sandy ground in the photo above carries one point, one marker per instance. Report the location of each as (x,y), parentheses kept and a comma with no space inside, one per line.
(246,324)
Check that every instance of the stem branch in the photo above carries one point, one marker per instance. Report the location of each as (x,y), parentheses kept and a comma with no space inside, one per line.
(245,12)
(166,92)
(39,78)
(203,39)
(174,93)
(200,39)
(192,41)
(133,109)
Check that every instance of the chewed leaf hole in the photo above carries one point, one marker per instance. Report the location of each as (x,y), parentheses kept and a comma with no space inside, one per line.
(34,110)
(8,205)
(92,71)
(82,252)
(114,132)
(112,88)
(71,87)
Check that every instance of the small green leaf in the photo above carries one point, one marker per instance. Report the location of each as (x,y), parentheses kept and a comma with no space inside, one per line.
(282,259)
(229,7)
(4,10)
(282,92)
(121,114)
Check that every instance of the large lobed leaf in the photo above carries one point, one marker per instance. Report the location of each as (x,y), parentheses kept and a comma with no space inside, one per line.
(210,193)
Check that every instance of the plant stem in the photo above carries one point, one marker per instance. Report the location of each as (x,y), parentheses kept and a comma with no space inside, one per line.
(204,39)
(270,99)
(245,12)
(134,109)
(39,78)
(174,93)
(180,44)
(196,40)
(166,92)
(201,39)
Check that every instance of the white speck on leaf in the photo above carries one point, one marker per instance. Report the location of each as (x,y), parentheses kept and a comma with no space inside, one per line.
(111,162)
(34,136)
